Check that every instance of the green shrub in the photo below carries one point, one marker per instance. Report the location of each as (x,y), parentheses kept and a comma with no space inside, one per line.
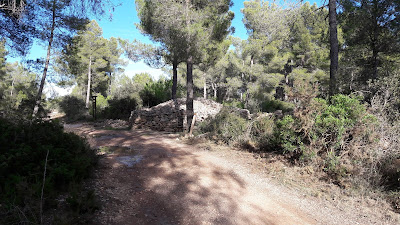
(53,104)
(101,102)
(324,130)
(74,108)
(225,126)
(334,122)
(262,133)
(119,108)
(23,149)
(287,135)
(156,93)
(273,105)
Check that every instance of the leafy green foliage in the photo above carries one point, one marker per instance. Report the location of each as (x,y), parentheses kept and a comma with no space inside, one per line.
(371,41)
(156,92)
(286,134)
(324,130)
(334,121)
(17,89)
(262,133)
(23,149)
(101,102)
(273,105)
(73,107)
(119,108)
(225,126)
(90,57)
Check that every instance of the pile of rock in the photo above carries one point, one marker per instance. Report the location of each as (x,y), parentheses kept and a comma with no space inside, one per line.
(163,117)
(170,116)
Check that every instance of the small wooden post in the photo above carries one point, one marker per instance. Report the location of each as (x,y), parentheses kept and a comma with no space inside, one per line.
(94,106)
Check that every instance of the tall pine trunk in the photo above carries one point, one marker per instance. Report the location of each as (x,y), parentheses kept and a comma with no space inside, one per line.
(334,50)
(189,76)
(174,78)
(89,82)
(189,94)
(46,66)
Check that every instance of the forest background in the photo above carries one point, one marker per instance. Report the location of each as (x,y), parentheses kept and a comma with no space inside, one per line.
(322,85)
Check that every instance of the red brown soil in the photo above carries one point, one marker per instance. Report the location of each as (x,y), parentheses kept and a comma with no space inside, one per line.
(177,183)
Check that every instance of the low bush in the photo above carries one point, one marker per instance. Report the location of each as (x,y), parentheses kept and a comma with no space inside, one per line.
(101,103)
(74,108)
(119,108)
(23,150)
(326,131)
(273,105)
(156,93)
(261,133)
(226,126)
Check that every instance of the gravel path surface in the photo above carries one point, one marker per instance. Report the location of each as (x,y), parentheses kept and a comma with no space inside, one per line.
(170,182)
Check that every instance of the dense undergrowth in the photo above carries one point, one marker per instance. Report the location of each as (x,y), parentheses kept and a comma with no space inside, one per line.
(74,108)
(24,147)
(341,140)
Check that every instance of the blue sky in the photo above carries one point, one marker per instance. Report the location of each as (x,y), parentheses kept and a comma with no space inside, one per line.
(123,25)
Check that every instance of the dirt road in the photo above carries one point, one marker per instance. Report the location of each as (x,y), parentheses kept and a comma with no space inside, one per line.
(154,178)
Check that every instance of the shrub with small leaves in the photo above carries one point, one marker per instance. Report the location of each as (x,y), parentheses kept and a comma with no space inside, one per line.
(119,108)
(286,134)
(324,130)
(226,126)
(23,149)
(74,108)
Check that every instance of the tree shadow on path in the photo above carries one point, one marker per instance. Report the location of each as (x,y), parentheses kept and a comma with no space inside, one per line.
(172,184)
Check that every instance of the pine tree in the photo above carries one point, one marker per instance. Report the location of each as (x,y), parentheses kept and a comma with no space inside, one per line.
(188,26)
(372,34)
(55,21)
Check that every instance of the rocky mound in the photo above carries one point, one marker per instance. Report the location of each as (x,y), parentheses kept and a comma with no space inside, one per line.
(203,108)
(170,115)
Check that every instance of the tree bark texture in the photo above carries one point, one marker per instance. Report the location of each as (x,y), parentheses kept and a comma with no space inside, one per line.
(46,66)
(174,78)
(89,82)
(189,76)
(189,94)
(334,50)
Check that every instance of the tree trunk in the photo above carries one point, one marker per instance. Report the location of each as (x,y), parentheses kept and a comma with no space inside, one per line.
(109,85)
(89,82)
(189,76)
(205,88)
(214,87)
(189,94)
(46,66)
(334,51)
(174,78)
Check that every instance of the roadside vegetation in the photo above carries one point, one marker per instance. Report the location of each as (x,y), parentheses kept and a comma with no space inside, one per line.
(322,87)
(346,142)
